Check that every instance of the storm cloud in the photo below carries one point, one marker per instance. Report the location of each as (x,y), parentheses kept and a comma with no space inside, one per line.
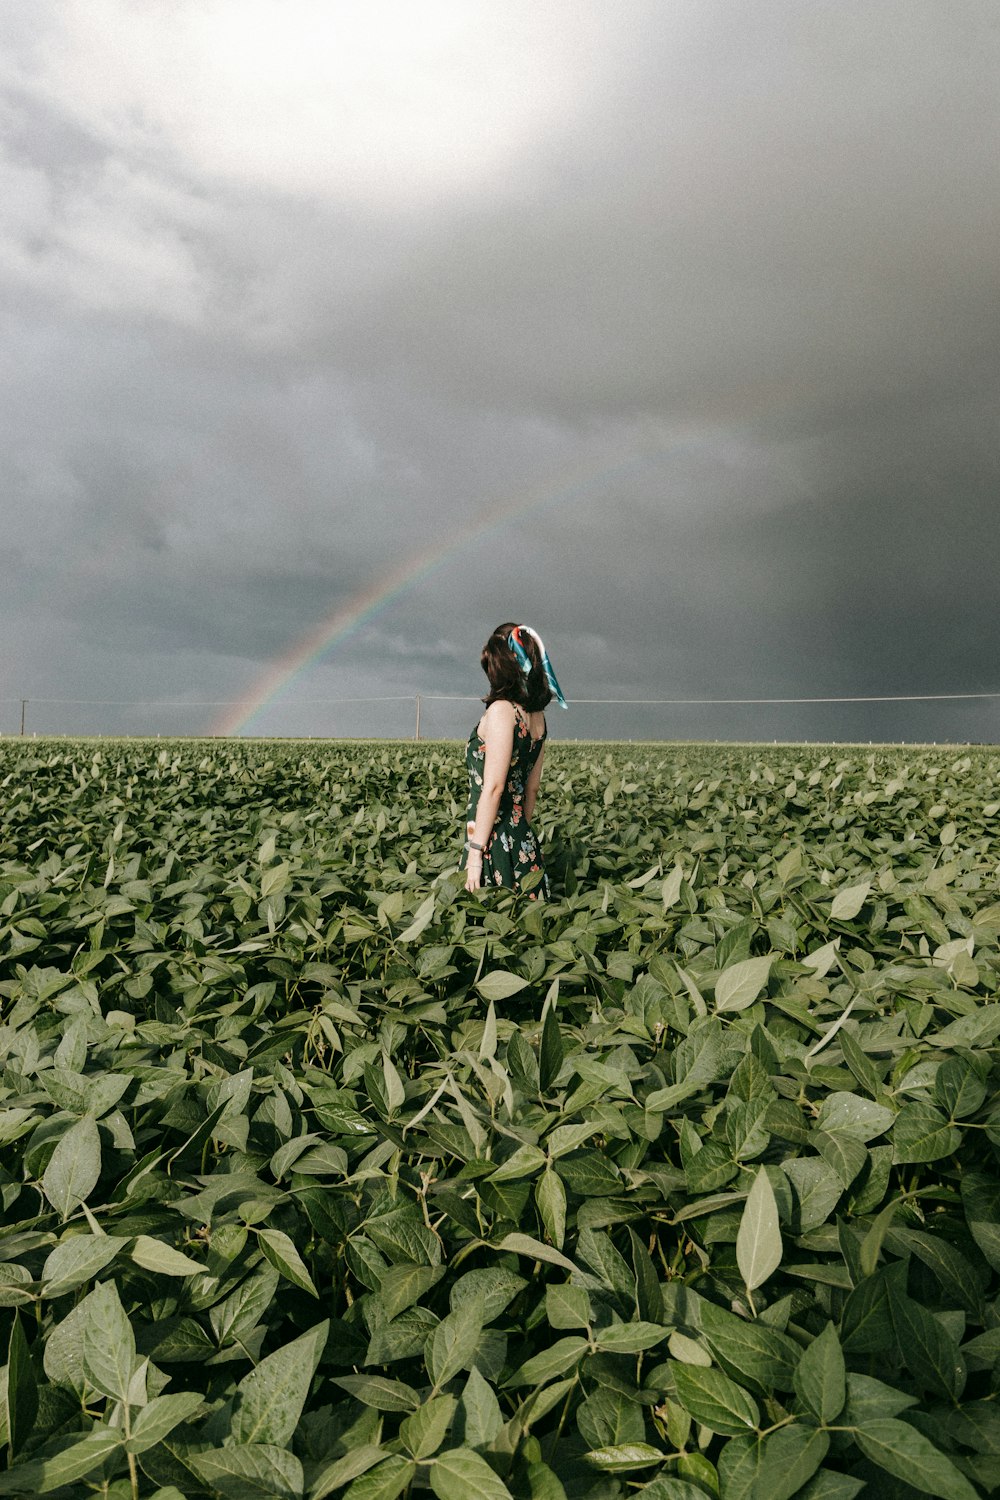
(672,329)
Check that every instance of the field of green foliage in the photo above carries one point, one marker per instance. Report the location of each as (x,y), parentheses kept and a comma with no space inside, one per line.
(321,1177)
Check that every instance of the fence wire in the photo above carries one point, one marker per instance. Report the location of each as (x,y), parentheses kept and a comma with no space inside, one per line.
(429,715)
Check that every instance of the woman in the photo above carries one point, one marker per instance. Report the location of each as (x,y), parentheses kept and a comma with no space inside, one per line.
(504,757)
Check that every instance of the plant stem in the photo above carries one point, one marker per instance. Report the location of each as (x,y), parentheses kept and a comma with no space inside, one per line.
(133,1470)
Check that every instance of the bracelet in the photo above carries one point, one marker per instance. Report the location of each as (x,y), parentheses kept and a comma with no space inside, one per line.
(469,844)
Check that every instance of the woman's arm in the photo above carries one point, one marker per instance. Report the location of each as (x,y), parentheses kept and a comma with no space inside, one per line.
(498,740)
(531,790)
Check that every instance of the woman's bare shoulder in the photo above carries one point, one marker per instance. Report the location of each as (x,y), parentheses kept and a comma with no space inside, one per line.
(500,712)
(499,717)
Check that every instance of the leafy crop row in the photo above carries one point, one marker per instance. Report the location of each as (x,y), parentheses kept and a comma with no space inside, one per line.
(321,1177)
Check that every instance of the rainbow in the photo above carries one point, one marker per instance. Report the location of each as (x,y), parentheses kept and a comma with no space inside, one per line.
(355,612)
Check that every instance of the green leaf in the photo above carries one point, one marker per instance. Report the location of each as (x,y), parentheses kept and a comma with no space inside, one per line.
(488,1042)
(523,1244)
(739,1465)
(421,921)
(395,1091)
(342,1470)
(403,1338)
(164,1260)
(850,1114)
(648,1296)
(623,1457)
(543,1483)
(843,1153)
(978,1029)
(341,1118)
(868,1397)
(714,1400)
(711,1167)
(78,1458)
(15,1123)
(959,1280)
(275,879)
(738,986)
(271,1397)
(790,1457)
(922,1133)
(866,1324)
(698,1468)
(688,1351)
(74,1167)
(550,1196)
(567,1306)
(550,1051)
(452,1345)
(670,890)
(423,1433)
(235,1318)
(108,1344)
(817,1191)
(981,1203)
(630,1338)
(523,1162)
(608,1418)
(285,1259)
(461,1474)
(479,1418)
(567,1138)
(598,1252)
(499,985)
(669,1487)
(250,1471)
(402,1286)
(62,1358)
(958,1088)
(153,1422)
(829,1485)
(758,1242)
(821,960)
(21,1393)
(871,1245)
(904,1452)
(379,1392)
(869,1195)
(746,1134)
(821,1377)
(848,901)
(77,1260)
(522,1064)
(859,1062)
(495,1287)
(385,1482)
(551,1362)
(931,1354)
(977,1426)
(749,1351)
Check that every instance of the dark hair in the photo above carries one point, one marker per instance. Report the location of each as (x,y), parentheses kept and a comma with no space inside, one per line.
(506,679)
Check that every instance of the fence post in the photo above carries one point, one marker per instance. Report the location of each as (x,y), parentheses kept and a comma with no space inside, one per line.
(24,704)
(417,733)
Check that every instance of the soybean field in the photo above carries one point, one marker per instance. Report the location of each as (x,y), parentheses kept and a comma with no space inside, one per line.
(322,1177)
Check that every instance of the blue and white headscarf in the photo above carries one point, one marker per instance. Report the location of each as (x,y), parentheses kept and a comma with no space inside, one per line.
(516,643)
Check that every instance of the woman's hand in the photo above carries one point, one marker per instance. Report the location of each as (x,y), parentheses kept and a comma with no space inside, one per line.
(474,870)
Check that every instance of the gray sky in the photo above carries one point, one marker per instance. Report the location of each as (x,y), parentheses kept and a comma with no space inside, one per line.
(690,308)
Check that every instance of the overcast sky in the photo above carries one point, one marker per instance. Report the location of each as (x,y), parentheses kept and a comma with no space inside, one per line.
(703,298)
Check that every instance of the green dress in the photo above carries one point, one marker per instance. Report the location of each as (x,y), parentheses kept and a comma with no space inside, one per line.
(511,850)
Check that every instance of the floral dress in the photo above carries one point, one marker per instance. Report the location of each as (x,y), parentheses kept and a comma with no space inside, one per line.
(511,850)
